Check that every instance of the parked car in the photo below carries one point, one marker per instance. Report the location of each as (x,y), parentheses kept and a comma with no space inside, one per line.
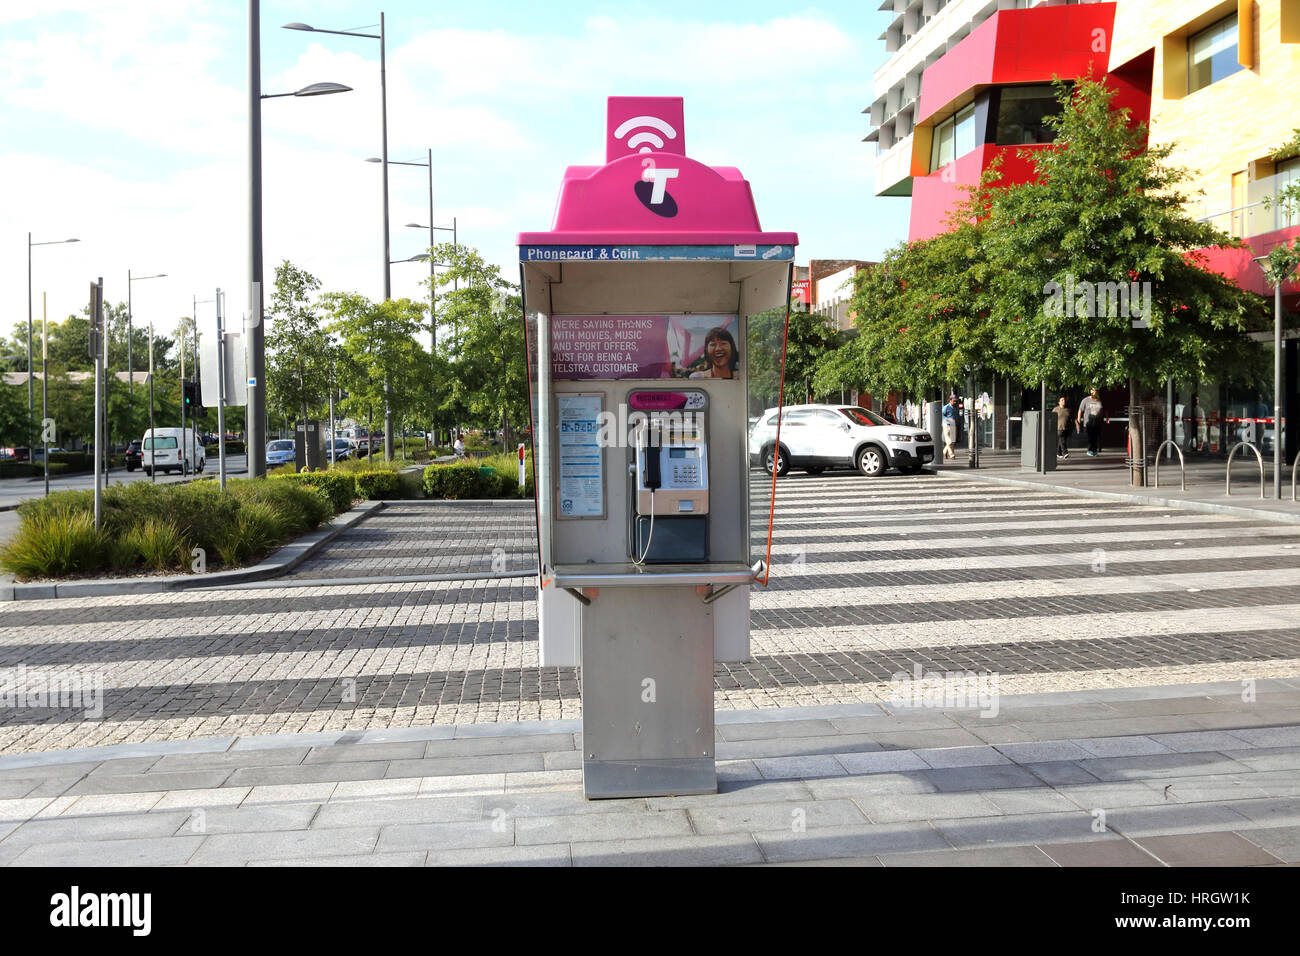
(280,452)
(817,437)
(135,455)
(342,449)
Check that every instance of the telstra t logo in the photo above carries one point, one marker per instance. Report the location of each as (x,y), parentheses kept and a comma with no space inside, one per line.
(652,190)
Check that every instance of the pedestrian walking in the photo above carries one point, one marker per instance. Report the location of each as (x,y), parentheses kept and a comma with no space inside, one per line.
(1089,420)
(1062,414)
(950,427)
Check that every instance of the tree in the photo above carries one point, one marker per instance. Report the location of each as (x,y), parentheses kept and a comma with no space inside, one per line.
(375,341)
(297,360)
(923,314)
(1106,219)
(488,370)
(807,335)
(1284,257)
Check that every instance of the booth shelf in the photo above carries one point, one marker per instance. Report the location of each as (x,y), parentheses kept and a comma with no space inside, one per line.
(628,574)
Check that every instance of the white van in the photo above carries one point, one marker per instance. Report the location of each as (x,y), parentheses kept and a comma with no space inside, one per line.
(171,449)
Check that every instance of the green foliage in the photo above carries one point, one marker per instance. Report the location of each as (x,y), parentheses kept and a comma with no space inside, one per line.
(300,507)
(75,460)
(464,480)
(297,346)
(378,485)
(255,531)
(808,337)
(339,488)
(1104,208)
(159,544)
(54,544)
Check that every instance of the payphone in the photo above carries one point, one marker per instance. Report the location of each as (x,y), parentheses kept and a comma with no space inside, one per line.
(654,309)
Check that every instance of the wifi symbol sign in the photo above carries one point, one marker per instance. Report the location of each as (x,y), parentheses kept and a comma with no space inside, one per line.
(644,140)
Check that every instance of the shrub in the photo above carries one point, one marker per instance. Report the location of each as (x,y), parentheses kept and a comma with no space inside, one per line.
(456,482)
(197,509)
(59,503)
(507,486)
(298,507)
(159,543)
(22,469)
(378,485)
(75,460)
(54,544)
(255,531)
(340,489)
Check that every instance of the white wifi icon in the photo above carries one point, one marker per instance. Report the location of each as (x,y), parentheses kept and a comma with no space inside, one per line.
(642,141)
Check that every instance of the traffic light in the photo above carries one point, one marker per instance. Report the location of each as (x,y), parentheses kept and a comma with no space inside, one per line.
(190,394)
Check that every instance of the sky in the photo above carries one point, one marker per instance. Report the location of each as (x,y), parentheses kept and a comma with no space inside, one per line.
(124,124)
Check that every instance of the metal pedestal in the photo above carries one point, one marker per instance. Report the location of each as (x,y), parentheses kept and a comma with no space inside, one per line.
(647,693)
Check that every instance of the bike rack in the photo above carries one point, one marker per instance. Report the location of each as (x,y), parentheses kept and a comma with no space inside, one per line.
(1228,474)
(1182,462)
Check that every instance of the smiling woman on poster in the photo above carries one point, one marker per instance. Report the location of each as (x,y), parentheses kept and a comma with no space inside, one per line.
(721,353)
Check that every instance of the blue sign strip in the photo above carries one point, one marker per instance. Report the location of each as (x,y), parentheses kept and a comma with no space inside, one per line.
(740,252)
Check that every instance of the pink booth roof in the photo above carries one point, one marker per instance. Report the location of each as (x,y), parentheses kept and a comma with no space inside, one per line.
(616,204)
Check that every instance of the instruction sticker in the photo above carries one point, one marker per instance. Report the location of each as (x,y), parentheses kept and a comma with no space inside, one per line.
(581,472)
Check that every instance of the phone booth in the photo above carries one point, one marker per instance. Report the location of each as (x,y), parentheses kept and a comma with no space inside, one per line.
(656,310)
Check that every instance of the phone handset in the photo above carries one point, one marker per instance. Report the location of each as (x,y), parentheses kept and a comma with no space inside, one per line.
(651,477)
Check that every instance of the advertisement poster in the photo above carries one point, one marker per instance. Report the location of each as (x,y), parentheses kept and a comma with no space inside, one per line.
(582,484)
(589,347)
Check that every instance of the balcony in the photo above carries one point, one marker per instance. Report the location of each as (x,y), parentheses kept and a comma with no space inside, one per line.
(1256,217)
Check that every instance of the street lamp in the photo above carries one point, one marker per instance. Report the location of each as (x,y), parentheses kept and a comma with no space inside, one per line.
(31,389)
(254,338)
(383,122)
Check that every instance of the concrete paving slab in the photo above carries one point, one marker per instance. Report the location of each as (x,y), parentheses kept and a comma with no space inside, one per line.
(749,817)
(942,759)
(1136,746)
(1098,853)
(854,786)
(1134,822)
(380,812)
(319,772)
(166,851)
(234,849)
(852,841)
(413,858)
(548,855)
(118,826)
(1207,849)
(996,777)
(785,768)
(722,849)
(883,761)
(251,819)
(444,836)
(1281,842)
(139,782)
(599,827)
(984,856)
(904,807)
(1022,829)
(1160,765)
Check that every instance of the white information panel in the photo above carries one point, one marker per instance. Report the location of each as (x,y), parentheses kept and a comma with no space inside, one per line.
(581,471)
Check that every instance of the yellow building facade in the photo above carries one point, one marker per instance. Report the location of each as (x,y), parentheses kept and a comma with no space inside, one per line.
(1226,121)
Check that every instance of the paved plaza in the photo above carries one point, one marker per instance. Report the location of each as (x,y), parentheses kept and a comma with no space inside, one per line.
(1048,591)
(1170,776)
(1143,664)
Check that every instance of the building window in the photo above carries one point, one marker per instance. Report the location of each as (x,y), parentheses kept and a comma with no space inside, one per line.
(1288,174)
(1022,115)
(953,137)
(1212,54)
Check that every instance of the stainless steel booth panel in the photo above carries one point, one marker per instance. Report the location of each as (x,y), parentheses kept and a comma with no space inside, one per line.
(647,693)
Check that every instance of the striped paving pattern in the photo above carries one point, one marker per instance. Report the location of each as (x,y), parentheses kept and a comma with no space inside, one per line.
(870,578)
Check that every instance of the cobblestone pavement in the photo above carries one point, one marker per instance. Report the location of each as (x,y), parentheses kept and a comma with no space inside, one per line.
(870,578)
(1195,775)
(430,538)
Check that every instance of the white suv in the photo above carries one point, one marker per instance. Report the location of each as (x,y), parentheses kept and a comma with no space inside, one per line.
(817,437)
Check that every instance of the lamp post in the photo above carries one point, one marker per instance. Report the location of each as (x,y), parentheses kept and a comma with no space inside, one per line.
(254,338)
(31,387)
(383,125)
